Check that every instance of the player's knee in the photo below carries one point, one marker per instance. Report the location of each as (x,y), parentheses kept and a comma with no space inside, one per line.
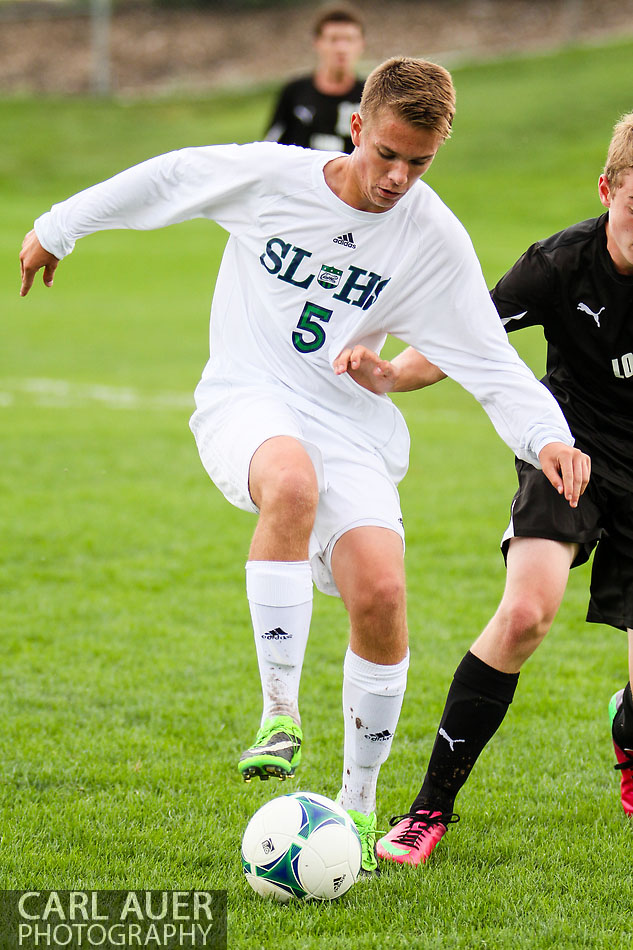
(526,618)
(380,597)
(291,492)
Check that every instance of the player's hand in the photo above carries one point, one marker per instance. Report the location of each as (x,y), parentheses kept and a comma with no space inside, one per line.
(367,369)
(32,258)
(567,468)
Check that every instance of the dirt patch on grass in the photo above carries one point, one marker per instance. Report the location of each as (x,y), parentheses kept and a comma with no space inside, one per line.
(153,51)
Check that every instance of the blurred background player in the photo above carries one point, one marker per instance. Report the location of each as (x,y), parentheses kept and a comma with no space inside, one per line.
(315,111)
(578,285)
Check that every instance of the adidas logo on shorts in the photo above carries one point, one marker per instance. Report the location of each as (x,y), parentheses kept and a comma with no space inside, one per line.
(347,240)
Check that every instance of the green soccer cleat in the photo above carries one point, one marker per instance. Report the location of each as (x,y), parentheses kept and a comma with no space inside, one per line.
(276,751)
(366,828)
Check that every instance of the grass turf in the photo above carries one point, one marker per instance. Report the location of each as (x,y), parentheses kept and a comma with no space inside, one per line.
(128,681)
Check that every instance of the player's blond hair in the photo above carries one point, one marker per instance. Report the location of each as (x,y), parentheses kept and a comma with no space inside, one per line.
(419,92)
(620,154)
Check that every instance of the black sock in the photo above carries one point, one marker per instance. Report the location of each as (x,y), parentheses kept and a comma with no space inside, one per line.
(477,701)
(623,722)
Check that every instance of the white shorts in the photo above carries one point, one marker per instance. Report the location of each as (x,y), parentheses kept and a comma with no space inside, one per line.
(355,487)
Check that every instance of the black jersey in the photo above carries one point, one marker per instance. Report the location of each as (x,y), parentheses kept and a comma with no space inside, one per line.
(304,116)
(569,285)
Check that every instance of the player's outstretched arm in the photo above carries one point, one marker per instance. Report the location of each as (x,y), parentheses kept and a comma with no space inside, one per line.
(408,371)
(567,468)
(32,258)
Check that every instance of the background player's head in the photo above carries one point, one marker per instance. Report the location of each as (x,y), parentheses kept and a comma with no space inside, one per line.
(339,39)
(416,91)
(615,188)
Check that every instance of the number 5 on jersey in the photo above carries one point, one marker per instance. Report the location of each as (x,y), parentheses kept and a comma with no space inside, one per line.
(308,325)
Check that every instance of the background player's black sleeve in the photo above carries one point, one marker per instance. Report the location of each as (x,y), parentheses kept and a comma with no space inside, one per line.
(281,118)
(525,294)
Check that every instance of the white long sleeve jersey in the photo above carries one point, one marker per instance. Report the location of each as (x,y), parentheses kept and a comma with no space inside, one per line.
(304,274)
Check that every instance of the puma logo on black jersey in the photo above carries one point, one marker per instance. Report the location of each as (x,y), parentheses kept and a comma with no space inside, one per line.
(586,309)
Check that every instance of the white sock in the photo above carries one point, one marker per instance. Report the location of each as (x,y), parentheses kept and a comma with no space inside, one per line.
(280,598)
(372,699)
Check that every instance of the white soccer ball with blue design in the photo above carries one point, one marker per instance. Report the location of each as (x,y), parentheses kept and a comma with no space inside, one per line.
(301,845)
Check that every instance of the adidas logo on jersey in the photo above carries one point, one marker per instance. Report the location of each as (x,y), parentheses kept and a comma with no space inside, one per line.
(347,240)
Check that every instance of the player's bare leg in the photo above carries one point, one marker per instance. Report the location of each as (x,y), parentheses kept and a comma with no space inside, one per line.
(368,568)
(283,485)
(481,692)
(536,578)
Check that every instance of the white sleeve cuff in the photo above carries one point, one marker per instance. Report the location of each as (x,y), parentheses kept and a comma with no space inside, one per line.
(51,242)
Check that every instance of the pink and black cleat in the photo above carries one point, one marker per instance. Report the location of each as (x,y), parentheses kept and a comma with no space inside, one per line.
(414,836)
(624,757)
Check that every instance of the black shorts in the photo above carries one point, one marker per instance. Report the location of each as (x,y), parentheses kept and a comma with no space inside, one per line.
(602,520)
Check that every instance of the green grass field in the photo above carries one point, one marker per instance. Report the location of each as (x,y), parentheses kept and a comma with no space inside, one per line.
(128,682)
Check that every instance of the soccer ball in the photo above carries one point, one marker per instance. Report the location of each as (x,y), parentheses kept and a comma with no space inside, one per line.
(301,845)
